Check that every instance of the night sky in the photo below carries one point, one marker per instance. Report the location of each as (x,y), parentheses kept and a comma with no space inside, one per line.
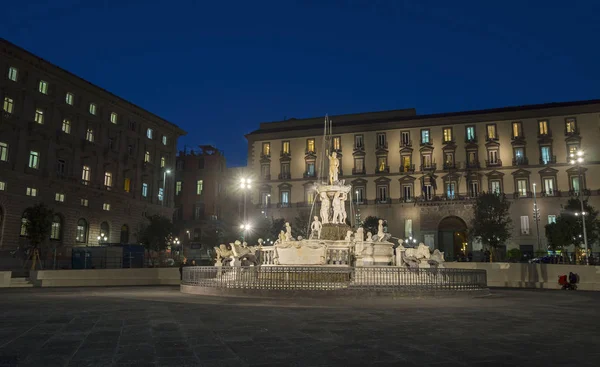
(218,68)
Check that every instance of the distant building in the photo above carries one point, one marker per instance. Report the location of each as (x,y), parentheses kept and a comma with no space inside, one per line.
(98,160)
(423,172)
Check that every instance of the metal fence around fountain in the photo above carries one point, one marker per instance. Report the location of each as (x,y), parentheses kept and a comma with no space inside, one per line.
(312,278)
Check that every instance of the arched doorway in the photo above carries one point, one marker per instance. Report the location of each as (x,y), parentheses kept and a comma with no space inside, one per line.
(125,234)
(452,232)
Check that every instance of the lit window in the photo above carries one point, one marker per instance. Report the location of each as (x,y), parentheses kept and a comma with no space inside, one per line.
(522,187)
(470,133)
(495,186)
(2,185)
(31,191)
(84,202)
(543,127)
(66,126)
(93,108)
(199,187)
(285,147)
(13,74)
(113,117)
(425,136)
(447,134)
(310,145)
(144,189)
(381,139)
(517,129)
(24,223)
(86,173)
(337,143)
(551,219)
(358,141)
(164,140)
(147,156)
(56,227)
(160,193)
(149,133)
(106,206)
(524,224)
(69,98)
(127,185)
(82,231)
(571,125)
(108,179)
(43,87)
(491,131)
(59,197)
(39,116)
(3,152)
(266,149)
(34,159)
(9,105)
(162,162)
(177,187)
(89,135)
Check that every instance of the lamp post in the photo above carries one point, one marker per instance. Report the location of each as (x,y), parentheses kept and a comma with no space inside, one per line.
(536,217)
(577,159)
(245,185)
(357,217)
(164,194)
(245,228)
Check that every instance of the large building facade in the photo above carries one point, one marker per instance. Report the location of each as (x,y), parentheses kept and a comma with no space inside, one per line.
(422,172)
(97,160)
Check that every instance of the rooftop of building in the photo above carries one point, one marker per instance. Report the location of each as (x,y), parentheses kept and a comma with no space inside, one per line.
(202,150)
(402,115)
(6,43)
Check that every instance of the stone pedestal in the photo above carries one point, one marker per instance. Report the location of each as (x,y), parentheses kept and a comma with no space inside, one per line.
(300,254)
(383,253)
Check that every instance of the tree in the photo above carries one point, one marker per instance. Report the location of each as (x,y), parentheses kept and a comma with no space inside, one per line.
(300,226)
(38,224)
(491,221)
(568,229)
(371,224)
(156,235)
(267,229)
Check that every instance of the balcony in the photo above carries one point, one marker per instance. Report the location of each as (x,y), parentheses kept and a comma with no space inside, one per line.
(265,177)
(550,193)
(573,132)
(283,154)
(284,205)
(493,163)
(429,167)
(472,140)
(310,152)
(406,144)
(491,137)
(547,134)
(310,174)
(85,182)
(426,142)
(385,169)
(359,148)
(284,176)
(521,195)
(446,142)
(449,165)
(358,171)
(380,146)
(407,169)
(264,155)
(517,137)
(383,201)
(520,161)
(575,193)
(473,165)
(548,160)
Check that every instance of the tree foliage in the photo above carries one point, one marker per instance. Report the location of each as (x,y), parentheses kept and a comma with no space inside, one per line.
(267,229)
(300,225)
(371,224)
(155,236)
(39,224)
(568,230)
(491,221)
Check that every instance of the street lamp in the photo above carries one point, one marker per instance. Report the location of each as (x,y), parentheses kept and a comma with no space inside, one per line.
(245,185)
(245,228)
(164,194)
(536,217)
(102,238)
(577,159)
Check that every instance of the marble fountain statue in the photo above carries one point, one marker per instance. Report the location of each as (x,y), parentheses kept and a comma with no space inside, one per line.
(331,242)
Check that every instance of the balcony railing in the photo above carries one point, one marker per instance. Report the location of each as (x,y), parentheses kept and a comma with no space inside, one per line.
(358,171)
(573,132)
(385,169)
(586,192)
(265,155)
(493,163)
(517,137)
(284,154)
(491,137)
(520,161)
(381,146)
(284,205)
(383,201)
(410,168)
(547,134)
(547,193)
(471,139)
(284,176)
(449,165)
(428,142)
(405,144)
(473,164)
(548,160)
(359,148)
(429,167)
(266,177)
(310,151)
(520,195)
(446,142)
(310,174)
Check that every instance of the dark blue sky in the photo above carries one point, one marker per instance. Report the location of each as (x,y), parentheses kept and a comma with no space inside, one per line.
(219,68)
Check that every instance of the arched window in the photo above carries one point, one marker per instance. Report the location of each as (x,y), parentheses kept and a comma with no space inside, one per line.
(82,231)
(104,232)
(56,229)
(125,234)
(24,222)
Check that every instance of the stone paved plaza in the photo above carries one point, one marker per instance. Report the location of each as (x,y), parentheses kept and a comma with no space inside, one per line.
(158,326)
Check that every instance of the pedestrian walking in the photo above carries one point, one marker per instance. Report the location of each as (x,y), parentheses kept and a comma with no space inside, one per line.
(181,266)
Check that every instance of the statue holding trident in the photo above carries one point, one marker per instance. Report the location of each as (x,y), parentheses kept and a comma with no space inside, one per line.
(334,165)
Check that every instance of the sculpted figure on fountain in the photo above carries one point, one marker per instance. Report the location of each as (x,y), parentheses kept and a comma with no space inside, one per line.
(315,228)
(337,208)
(288,231)
(334,165)
(325,205)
